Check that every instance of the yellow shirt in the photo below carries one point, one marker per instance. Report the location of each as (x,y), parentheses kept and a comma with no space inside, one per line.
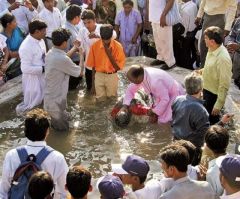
(217,74)
(214,7)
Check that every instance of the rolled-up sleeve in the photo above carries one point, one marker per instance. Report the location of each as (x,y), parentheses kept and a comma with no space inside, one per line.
(130,92)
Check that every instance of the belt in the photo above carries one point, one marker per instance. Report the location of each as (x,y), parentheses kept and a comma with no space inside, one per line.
(109,73)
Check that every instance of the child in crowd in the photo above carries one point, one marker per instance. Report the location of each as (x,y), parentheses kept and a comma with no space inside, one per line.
(78,182)
(230,177)
(192,171)
(40,185)
(134,172)
(174,162)
(110,187)
(52,17)
(106,57)
(128,24)
(217,139)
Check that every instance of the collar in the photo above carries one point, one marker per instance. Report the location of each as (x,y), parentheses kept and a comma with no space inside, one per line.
(33,39)
(217,51)
(189,97)
(36,144)
(58,50)
(232,196)
(48,11)
(181,180)
(111,44)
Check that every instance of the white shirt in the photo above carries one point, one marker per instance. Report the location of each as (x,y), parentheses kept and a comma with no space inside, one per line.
(52,19)
(188,12)
(232,196)
(212,176)
(55,164)
(198,37)
(23,15)
(192,172)
(154,188)
(3,43)
(35,59)
(156,8)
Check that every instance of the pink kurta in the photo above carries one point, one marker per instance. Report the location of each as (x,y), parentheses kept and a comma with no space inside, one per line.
(163,89)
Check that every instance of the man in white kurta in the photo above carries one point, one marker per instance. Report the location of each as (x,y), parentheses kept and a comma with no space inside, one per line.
(32,55)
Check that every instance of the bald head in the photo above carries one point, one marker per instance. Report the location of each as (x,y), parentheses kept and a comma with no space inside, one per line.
(135,74)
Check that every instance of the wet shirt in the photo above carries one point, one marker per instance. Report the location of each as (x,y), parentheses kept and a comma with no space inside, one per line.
(190,119)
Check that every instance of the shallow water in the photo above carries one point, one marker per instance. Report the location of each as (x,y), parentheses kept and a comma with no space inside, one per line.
(93,140)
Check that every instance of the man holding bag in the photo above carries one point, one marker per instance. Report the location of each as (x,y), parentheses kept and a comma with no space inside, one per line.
(163,14)
(106,57)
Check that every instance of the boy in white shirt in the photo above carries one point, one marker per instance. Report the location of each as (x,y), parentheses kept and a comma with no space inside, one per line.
(134,172)
(52,17)
(230,177)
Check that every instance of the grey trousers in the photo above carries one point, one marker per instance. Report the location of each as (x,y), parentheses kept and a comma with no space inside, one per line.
(209,20)
(236,66)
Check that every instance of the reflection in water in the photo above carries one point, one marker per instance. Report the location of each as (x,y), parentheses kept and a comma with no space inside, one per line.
(93,140)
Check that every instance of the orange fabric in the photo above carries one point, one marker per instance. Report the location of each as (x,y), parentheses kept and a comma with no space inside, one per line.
(99,60)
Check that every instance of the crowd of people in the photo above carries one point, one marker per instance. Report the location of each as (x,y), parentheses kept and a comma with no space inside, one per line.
(58,43)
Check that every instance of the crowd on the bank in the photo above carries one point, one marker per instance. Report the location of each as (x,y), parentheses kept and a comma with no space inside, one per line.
(58,43)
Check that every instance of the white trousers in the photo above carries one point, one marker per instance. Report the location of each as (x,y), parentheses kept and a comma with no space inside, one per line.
(163,38)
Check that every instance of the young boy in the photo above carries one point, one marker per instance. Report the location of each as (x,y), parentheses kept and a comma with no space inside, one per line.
(52,17)
(110,187)
(134,172)
(174,163)
(217,139)
(40,185)
(106,57)
(78,182)
(129,21)
(73,13)
(88,35)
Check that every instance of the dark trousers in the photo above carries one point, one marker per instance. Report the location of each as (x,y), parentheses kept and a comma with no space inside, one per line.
(209,101)
(209,20)
(74,81)
(88,77)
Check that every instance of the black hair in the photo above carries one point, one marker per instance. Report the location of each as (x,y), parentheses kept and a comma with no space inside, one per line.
(72,12)
(190,148)
(137,72)
(78,181)
(59,36)
(175,155)
(88,14)
(36,25)
(37,123)
(40,185)
(128,2)
(106,31)
(6,19)
(215,33)
(217,139)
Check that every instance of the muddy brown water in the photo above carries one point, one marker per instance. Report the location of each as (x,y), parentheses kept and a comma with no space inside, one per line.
(93,141)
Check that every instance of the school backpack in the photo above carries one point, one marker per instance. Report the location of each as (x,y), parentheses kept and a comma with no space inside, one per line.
(29,165)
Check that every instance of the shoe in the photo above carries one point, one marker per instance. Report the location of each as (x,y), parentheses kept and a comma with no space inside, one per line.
(157,62)
(166,67)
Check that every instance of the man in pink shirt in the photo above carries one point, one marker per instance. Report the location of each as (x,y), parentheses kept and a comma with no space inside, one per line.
(161,87)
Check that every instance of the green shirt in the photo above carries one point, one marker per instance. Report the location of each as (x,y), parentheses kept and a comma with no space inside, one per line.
(217,74)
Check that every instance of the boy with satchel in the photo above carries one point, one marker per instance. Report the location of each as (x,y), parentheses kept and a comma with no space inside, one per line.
(106,57)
